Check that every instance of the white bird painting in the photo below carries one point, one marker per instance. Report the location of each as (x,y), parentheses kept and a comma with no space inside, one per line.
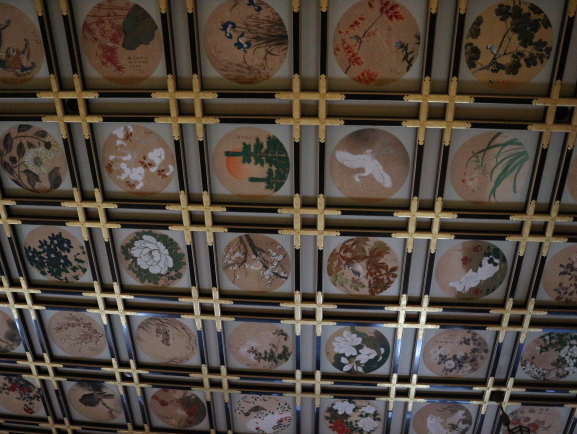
(493,49)
(474,278)
(435,425)
(368,163)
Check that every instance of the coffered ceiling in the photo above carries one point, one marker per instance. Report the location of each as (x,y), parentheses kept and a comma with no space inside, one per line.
(290,217)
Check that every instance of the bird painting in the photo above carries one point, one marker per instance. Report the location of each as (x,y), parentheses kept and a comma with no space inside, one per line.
(493,49)
(357,269)
(165,335)
(489,266)
(368,163)
(255,409)
(435,425)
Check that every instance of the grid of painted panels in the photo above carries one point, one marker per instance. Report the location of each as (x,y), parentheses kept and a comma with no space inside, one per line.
(310,107)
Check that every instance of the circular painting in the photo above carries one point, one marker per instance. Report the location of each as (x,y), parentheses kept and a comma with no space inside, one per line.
(376,42)
(77,334)
(9,335)
(153,258)
(471,270)
(353,416)
(539,420)
(33,159)
(560,276)
(19,396)
(442,418)
(455,353)
(95,401)
(261,345)
(363,266)
(256,263)
(490,167)
(178,408)
(166,340)
(369,165)
(251,162)
(357,350)
(245,41)
(263,414)
(56,254)
(21,50)
(121,41)
(508,44)
(138,160)
(551,356)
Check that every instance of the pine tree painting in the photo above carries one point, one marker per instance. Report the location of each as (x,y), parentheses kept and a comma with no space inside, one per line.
(271,156)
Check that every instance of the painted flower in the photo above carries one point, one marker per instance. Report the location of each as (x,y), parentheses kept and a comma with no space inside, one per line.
(227,27)
(365,355)
(241,43)
(124,133)
(135,176)
(257,8)
(340,427)
(569,351)
(269,424)
(391,10)
(368,409)
(36,160)
(367,76)
(344,407)
(346,344)
(51,148)
(367,424)
(156,155)
(151,255)
(353,364)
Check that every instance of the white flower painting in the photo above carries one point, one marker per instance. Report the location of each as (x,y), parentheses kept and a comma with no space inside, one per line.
(352,416)
(151,255)
(138,160)
(357,350)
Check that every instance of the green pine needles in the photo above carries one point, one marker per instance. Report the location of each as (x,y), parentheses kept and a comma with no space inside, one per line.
(273,157)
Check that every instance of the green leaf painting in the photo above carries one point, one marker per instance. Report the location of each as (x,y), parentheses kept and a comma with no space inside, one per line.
(138,27)
(58,257)
(506,163)
(508,40)
(552,356)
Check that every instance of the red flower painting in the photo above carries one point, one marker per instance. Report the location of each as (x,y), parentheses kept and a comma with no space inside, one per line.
(367,76)
(365,36)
